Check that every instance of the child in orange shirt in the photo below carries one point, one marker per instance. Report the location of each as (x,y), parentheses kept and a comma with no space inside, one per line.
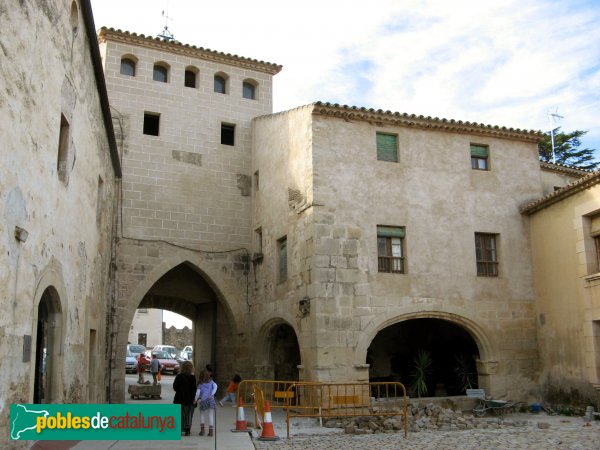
(231,390)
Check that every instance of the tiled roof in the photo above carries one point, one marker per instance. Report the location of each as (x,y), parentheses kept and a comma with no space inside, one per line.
(557,167)
(186,49)
(579,185)
(433,123)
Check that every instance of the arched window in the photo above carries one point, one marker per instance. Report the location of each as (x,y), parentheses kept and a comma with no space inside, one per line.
(190,78)
(160,73)
(220,84)
(249,90)
(128,67)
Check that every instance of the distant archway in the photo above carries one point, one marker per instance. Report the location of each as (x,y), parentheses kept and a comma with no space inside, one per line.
(281,352)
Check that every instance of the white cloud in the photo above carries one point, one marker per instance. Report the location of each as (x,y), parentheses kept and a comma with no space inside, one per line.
(500,62)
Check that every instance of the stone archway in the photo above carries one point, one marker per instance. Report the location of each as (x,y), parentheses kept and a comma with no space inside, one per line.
(465,329)
(450,350)
(48,348)
(181,286)
(280,350)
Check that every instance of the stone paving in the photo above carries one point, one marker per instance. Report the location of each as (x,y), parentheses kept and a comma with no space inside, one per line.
(532,432)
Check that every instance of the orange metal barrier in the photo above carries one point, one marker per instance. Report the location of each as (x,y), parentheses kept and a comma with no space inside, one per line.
(325,400)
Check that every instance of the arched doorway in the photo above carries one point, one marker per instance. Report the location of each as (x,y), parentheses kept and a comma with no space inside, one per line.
(284,353)
(48,347)
(446,352)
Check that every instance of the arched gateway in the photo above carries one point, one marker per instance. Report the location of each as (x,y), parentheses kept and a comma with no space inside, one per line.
(198,289)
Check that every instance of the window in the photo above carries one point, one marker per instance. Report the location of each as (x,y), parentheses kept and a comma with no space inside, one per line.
(486,255)
(595,233)
(282,252)
(190,78)
(151,124)
(128,67)
(390,254)
(220,84)
(256,181)
(63,150)
(259,240)
(99,201)
(160,73)
(479,157)
(249,90)
(387,147)
(227,134)
(597,242)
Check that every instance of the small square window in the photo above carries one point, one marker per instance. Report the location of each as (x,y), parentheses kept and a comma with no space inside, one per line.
(227,134)
(486,255)
(151,124)
(390,249)
(387,147)
(479,157)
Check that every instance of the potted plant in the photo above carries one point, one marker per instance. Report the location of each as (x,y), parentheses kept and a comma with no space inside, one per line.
(421,372)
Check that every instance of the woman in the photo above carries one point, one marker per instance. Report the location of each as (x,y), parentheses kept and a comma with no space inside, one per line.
(185,389)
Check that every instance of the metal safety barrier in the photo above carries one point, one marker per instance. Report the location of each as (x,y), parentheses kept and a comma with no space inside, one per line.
(325,400)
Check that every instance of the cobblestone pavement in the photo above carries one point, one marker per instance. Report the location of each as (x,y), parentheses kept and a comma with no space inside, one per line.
(568,434)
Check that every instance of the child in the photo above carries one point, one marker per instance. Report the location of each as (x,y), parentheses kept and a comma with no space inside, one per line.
(231,390)
(205,398)
(155,368)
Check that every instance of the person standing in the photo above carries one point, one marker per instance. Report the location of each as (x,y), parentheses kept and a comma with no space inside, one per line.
(155,368)
(205,398)
(141,367)
(231,390)
(184,386)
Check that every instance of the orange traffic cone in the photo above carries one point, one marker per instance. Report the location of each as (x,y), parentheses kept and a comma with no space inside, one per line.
(268,433)
(240,424)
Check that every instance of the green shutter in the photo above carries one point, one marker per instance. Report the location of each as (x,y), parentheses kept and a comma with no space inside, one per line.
(387,147)
(479,151)
(396,232)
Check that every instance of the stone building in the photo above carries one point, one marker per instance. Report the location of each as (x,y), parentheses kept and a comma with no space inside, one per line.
(182,117)
(328,242)
(565,236)
(58,173)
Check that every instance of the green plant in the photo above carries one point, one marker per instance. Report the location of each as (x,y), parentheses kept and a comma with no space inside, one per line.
(421,371)
(464,371)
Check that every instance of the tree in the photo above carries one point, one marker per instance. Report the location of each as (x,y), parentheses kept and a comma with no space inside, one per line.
(567,151)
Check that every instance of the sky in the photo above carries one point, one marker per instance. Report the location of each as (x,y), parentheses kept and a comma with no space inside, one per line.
(499,62)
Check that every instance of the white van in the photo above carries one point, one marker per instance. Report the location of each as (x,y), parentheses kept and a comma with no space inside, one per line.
(167,348)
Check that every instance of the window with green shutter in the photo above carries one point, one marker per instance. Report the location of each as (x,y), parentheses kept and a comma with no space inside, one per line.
(390,249)
(387,147)
(479,157)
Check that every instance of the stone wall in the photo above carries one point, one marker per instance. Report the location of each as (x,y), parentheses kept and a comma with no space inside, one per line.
(57,182)
(178,337)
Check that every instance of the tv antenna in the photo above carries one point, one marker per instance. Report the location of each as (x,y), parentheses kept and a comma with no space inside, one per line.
(166,34)
(553,117)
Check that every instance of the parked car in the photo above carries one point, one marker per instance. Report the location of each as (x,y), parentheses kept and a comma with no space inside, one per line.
(130,362)
(168,363)
(135,349)
(167,348)
(189,350)
(183,356)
